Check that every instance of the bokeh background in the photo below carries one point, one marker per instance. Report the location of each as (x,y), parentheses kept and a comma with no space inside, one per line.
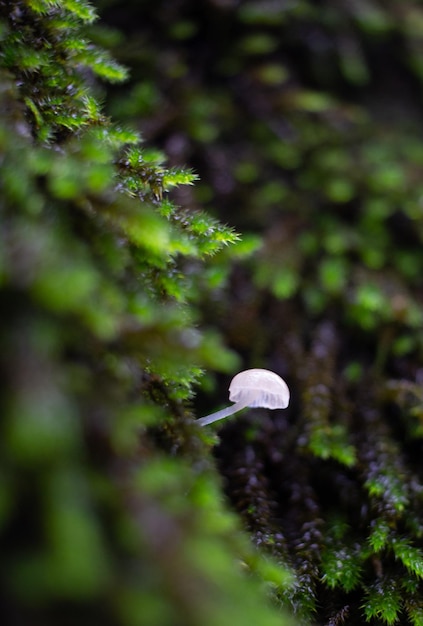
(271,215)
(303,121)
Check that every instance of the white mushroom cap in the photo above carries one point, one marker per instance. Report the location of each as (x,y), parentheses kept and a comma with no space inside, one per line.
(265,388)
(252,388)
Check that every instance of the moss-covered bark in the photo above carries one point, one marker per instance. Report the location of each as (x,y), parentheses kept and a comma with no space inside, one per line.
(121,298)
(110,508)
(303,121)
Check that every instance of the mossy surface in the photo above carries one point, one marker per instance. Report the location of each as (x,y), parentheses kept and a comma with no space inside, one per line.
(110,507)
(134,148)
(303,121)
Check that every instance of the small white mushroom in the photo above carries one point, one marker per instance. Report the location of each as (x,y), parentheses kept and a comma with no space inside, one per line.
(252,388)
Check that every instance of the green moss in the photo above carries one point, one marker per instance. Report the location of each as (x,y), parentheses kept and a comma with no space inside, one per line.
(120,289)
(101,349)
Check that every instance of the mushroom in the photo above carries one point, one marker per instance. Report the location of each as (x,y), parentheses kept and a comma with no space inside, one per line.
(252,388)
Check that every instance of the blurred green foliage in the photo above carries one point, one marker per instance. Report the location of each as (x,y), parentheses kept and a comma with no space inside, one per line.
(304,123)
(123,282)
(110,508)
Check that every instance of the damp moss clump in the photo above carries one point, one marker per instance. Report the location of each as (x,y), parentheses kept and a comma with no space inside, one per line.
(303,121)
(110,510)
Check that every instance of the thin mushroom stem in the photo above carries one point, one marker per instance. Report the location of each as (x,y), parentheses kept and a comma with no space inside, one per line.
(229,410)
